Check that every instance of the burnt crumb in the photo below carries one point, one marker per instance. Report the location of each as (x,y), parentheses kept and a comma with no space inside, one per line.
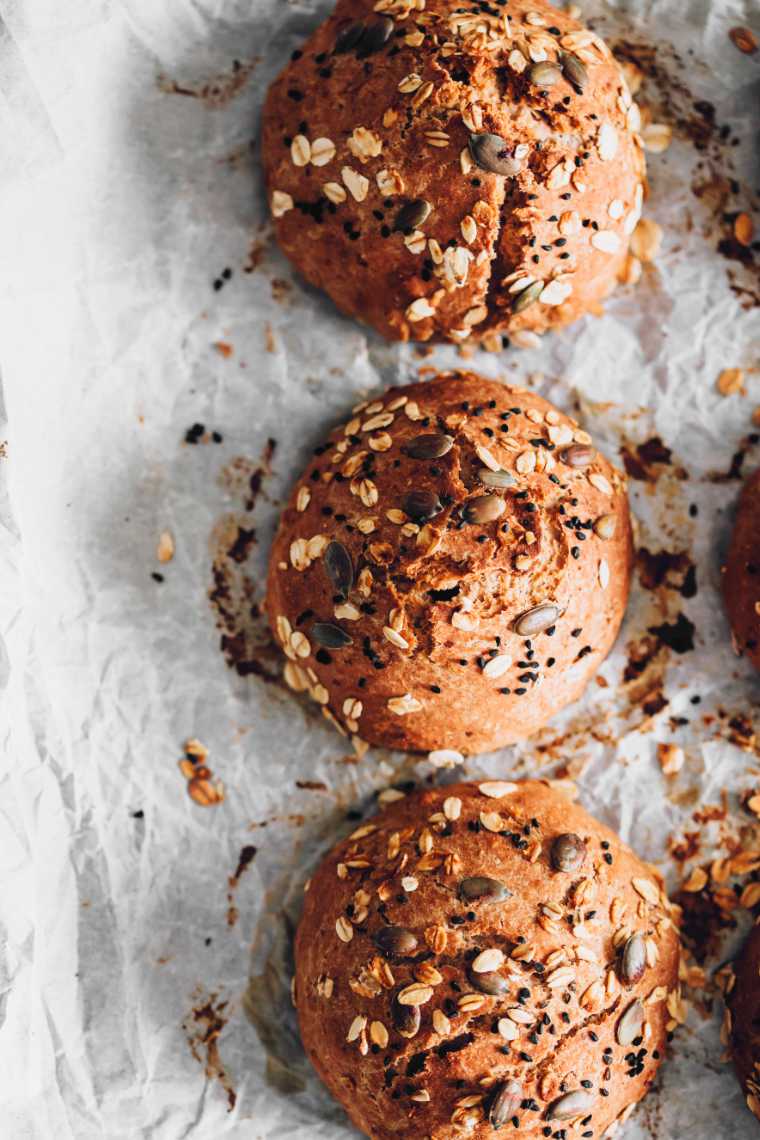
(673,569)
(156,576)
(194,433)
(677,635)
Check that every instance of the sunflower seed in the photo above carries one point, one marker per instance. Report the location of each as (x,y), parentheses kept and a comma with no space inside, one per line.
(483,509)
(634,960)
(631,1024)
(505,1100)
(527,296)
(536,620)
(574,71)
(349,38)
(489,983)
(488,960)
(579,455)
(568,852)
(491,152)
(412,215)
(395,942)
(330,636)
(571,1105)
(406,1018)
(421,506)
(434,445)
(498,479)
(479,887)
(339,568)
(375,37)
(544,74)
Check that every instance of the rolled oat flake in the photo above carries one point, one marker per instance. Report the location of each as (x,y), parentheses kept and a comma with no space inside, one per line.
(491,153)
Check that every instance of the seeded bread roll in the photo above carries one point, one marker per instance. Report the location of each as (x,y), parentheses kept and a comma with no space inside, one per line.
(446,170)
(452,568)
(485,955)
(744,1021)
(741,582)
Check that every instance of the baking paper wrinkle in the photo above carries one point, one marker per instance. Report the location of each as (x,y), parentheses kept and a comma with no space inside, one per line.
(118,212)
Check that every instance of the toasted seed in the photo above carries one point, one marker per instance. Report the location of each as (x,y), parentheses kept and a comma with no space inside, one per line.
(544,74)
(605,526)
(568,852)
(375,37)
(579,455)
(349,38)
(574,71)
(489,983)
(527,296)
(498,479)
(488,961)
(631,1024)
(433,445)
(491,152)
(339,568)
(481,887)
(412,214)
(536,620)
(505,1100)
(421,506)
(395,942)
(483,509)
(330,636)
(406,1018)
(414,994)
(633,961)
(571,1105)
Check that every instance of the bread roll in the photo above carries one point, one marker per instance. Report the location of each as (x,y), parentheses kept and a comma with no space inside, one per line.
(480,956)
(744,1020)
(741,581)
(452,567)
(444,170)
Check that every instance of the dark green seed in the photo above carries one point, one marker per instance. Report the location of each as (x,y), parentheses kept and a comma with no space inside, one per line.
(489,983)
(527,297)
(578,455)
(375,37)
(570,1106)
(505,1100)
(412,214)
(395,942)
(330,636)
(483,509)
(434,445)
(633,962)
(482,887)
(568,852)
(339,568)
(349,38)
(574,71)
(406,1018)
(536,620)
(544,74)
(491,153)
(422,505)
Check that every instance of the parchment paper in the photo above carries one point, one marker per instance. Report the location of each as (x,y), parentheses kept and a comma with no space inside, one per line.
(129,185)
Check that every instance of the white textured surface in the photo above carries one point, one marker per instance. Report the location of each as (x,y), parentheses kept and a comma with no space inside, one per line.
(118,209)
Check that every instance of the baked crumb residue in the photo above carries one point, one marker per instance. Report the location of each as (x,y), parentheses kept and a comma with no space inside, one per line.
(217,92)
(203,1027)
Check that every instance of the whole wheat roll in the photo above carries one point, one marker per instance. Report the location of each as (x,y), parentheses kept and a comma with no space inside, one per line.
(485,956)
(741,574)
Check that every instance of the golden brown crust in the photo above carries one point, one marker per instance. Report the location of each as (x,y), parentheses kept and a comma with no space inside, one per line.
(741,581)
(571,952)
(744,1013)
(439,656)
(349,138)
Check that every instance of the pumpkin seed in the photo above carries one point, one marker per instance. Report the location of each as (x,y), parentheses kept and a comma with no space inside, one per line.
(578,455)
(375,37)
(330,636)
(349,38)
(574,71)
(396,942)
(483,509)
(571,1105)
(505,1100)
(339,568)
(605,526)
(631,1024)
(412,214)
(633,962)
(422,505)
(489,983)
(544,74)
(536,620)
(527,296)
(568,852)
(498,479)
(406,1018)
(481,887)
(433,445)
(491,152)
